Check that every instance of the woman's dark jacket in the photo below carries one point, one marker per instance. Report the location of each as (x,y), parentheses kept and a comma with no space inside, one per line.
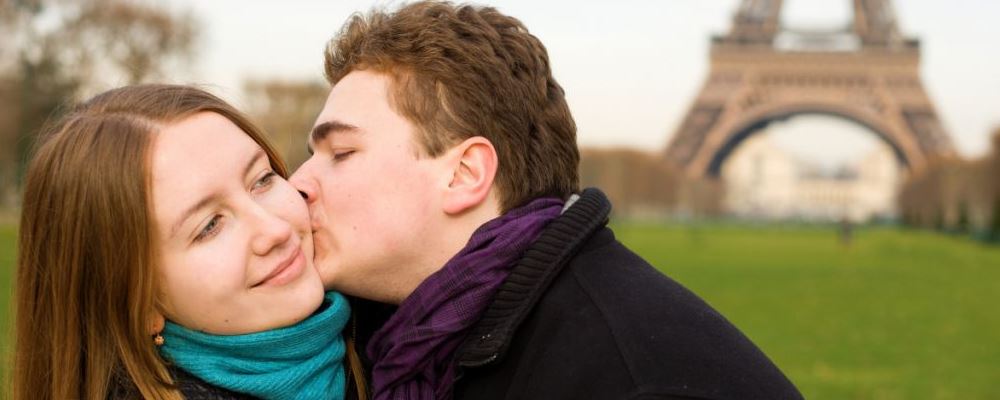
(190,386)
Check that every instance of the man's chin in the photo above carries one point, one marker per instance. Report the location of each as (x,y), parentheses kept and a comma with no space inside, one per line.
(326,273)
(330,282)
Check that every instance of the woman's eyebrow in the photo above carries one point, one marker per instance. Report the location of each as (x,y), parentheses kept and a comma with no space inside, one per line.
(205,201)
(253,161)
(209,199)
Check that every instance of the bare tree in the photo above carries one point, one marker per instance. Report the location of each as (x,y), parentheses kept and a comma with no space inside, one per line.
(286,110)
(954,194)
(56,51)
(104,43)
(638,183)
(994,187)
(12,17)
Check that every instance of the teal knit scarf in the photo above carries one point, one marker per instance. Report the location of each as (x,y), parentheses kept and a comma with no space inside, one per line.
(302,361)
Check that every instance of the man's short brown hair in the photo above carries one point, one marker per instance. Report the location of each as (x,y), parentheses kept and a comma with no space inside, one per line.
(460,71)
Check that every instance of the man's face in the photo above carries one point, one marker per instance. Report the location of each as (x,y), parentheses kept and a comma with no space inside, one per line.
(374,200)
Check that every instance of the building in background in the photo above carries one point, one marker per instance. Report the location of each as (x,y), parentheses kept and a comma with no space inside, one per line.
(762,180)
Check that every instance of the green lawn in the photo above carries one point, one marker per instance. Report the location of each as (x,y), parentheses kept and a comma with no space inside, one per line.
(8,241)
(897,315)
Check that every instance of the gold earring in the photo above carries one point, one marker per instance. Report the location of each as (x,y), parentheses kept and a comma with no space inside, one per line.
(158,339)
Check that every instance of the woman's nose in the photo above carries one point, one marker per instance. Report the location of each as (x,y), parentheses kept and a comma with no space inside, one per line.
(270,231)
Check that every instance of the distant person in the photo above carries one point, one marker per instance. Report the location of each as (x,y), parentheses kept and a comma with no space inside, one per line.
(162,255)
(846,231)
(444,197)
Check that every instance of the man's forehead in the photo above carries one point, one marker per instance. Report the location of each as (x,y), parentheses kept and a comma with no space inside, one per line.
(359,99)
(327,111)
(330,116)
(358,91)
(360,104)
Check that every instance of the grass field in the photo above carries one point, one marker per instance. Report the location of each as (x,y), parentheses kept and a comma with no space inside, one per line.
(8,241)
(895,315)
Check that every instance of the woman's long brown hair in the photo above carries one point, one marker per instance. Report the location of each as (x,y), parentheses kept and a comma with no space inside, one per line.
(86,279)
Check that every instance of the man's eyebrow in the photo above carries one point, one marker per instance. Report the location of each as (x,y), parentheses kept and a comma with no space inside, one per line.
(321,131)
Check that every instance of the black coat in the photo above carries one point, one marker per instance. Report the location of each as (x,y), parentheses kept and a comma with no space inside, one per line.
(582,317)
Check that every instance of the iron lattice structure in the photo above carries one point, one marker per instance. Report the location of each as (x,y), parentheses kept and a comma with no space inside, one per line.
(760,72)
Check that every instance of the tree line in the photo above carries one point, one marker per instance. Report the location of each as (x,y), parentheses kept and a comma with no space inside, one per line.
(956,195)
(647,185)
(55,53)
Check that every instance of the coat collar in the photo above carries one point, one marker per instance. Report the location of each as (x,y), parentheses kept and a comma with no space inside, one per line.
(490,338)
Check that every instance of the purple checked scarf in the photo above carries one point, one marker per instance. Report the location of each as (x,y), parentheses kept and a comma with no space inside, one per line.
(414,350)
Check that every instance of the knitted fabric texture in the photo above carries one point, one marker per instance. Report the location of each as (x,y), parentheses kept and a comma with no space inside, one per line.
(414,351)
(302,361)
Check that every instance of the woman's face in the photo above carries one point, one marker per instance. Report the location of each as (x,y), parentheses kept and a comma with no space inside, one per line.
(234,240)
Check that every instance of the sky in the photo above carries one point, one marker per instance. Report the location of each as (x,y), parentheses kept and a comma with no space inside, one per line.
(630,68)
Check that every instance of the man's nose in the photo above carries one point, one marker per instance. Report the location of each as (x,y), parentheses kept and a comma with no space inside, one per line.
(303,182)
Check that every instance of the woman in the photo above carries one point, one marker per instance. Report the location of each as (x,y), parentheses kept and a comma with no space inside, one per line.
(163,255)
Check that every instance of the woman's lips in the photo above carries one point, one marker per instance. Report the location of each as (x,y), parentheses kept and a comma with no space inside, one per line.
(287,271)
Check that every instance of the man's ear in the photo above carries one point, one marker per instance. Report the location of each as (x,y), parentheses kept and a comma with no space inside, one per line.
(473,166)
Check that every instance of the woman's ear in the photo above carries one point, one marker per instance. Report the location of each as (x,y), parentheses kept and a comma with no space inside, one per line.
(156,323)
(473,168)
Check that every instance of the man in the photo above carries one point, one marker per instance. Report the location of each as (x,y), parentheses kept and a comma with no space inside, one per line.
(444,181)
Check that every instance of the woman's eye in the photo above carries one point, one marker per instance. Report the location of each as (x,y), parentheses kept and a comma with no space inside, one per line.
(264,181)
(210,229)
(342,155)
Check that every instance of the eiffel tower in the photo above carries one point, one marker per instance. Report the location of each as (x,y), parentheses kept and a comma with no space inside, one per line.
(761,72)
